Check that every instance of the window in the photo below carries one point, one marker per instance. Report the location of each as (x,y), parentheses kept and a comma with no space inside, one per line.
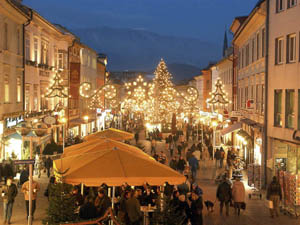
(278,108)
(253,50)
(19,89)
(279,5)
(262,98)
(243,58)
(44,52)
(5,38)
(291,3)
(27,47)
(257,46)
(55,57)
(257,99)
(18,42)
(247,55)
(35,52)
(6,89)
(35,97)
(291,48)
(27,97)
(246,96)
(60,60)
(263,42)
(279,51)
(289,108)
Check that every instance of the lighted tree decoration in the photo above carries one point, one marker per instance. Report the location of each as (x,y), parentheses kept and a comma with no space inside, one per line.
(57,89)
(219,98)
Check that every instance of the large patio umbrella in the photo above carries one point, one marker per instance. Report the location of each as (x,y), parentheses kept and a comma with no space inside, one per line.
(115,165)
(100,144)
(115,134)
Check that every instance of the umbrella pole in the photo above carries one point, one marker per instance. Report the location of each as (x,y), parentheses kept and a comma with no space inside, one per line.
(113,197)
(82,186)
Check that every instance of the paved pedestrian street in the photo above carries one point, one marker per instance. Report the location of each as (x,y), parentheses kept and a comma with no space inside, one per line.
(256,212)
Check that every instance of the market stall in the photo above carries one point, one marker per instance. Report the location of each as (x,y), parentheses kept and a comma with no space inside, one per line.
(115,134)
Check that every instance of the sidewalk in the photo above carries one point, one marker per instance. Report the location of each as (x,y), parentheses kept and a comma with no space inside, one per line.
(19,209)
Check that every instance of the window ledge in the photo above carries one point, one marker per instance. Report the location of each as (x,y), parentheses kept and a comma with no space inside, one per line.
(292,62)
(279,11)
(278,64)
(277,126)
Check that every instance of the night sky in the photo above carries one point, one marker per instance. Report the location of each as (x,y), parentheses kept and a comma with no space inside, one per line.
(202,19)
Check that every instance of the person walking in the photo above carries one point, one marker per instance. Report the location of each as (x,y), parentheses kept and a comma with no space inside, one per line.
(25,190)
(9,193)
(133,209)
(181,164)
(48,165)
(194,164)
(174,163)
(217,158)
(205,157)
(222,156)
(136,137)
(238,195)
(224,195)
(274,194)
(196,209)
(210,151)
(153,146)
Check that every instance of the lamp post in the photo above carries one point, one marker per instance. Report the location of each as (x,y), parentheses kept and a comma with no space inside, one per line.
(214,125)
(40,130)
(63,122)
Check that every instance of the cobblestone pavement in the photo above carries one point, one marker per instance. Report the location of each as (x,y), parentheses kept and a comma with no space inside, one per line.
(255,214)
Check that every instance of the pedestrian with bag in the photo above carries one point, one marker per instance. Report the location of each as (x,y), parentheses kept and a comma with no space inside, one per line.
(274,195)
(9,192)
(224,195)
(238,195)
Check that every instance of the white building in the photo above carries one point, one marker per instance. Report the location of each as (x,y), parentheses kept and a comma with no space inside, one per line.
(283,87)
(11,75)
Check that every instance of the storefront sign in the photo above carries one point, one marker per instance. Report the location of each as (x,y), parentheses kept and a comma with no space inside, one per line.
(50,120)
(28,161)
(11,122)
(295,136)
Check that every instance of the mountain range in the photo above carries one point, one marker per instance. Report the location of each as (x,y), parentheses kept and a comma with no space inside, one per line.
(132,49)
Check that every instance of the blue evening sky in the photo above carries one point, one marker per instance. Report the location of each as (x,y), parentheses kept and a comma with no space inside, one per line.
(203,19)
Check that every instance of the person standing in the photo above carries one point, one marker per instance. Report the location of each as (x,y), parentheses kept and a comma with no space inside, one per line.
(274,194)
(133,209)
(238,195)
(9,193)
(194,164)
(205,157)
(136,137)
(153,146)
(196,209)
(102,202)
(217,157)
(222,156)
(25,190)
(48,165)
(181,164)
(210,151)
(224,195)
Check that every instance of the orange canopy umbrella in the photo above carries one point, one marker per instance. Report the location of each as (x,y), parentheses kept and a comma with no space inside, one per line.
(100,144)
(115,134)
(115,165)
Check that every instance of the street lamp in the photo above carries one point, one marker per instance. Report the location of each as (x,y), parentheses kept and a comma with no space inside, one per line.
(214,125)
(40,129)
(63,121)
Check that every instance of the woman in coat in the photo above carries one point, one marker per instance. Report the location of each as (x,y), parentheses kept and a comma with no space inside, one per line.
(238,194)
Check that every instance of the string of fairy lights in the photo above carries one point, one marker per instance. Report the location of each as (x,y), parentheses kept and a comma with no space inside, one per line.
(219,98)
(160,99)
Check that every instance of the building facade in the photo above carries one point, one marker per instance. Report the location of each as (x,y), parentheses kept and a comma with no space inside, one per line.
(199,87)
(207,85)
(250,48)
(283,89)
(12,22)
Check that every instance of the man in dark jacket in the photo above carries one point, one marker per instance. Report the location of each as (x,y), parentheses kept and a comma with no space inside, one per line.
(8,193)
(133,209)
(88,210)
(274,194)
(181,164)
(173,163)
(48,165)
(224,195)
(102,202)
(194,164)
(196,209)
(217,157)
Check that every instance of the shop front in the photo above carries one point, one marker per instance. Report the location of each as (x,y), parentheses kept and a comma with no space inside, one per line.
(286,166)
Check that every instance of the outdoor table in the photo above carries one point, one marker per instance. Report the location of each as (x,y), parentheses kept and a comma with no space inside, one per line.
(146,210)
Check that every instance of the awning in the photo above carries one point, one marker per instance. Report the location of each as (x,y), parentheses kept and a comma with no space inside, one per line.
(231,128)
(79,121)
(248,121)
